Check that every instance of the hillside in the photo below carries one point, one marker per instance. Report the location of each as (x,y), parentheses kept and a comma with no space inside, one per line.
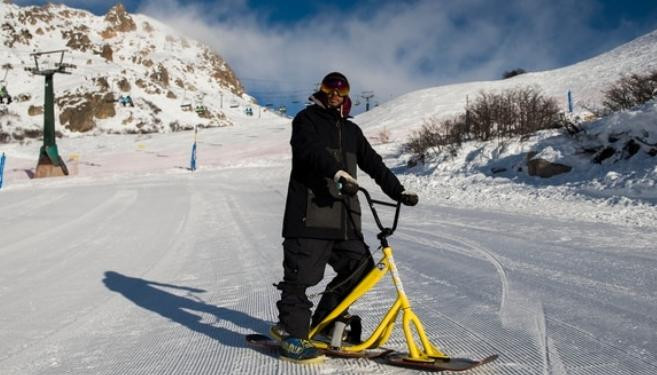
(116,55)
(610,162)
(586,80)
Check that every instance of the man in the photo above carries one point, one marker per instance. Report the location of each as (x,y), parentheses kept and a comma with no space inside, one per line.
(321,224)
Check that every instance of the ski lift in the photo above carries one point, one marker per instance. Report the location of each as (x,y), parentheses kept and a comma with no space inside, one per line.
(186,103)
(4,94)
(248,111)
(199,107)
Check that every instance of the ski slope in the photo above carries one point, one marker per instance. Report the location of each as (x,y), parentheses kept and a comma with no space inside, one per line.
(138,266)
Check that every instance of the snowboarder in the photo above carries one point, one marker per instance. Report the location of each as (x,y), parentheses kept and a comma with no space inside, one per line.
(322,225)
(4,94)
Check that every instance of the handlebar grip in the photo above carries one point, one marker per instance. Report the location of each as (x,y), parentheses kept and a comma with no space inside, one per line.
(347,188)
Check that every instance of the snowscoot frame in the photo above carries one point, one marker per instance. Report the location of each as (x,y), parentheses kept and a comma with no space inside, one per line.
(385,327)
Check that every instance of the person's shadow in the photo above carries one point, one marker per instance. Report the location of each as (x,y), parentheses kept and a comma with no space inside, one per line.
(148,295)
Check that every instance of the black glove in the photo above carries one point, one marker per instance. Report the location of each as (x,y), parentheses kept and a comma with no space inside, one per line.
(408,198)
(348,184)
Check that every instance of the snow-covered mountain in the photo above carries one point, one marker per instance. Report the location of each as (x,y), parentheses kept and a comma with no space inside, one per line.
(118,54)
(586,80)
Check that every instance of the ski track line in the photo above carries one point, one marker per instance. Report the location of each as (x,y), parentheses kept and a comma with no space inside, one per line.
(646,244)
(86,319)
(556,320)
(106,205)
(194,355)
(154,354)
(484,253)
(543,338)
(32,203)
(60,256)
(194,350)
(502,350)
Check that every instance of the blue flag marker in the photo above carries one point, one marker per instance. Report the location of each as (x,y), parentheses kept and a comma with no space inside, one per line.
(192,164)
(2,168)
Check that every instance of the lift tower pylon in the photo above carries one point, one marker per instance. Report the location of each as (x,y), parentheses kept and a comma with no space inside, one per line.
(50,163)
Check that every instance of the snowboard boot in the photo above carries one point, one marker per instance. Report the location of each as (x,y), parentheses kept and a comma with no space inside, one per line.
(299,351)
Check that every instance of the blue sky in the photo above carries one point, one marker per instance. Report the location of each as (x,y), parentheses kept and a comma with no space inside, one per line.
(280,49)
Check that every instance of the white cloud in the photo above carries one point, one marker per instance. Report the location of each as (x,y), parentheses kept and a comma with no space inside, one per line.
(397,47)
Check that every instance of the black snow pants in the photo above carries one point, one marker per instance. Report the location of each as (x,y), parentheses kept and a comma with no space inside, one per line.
(304,262)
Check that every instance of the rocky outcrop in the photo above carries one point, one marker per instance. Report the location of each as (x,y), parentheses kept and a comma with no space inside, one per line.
(124,85)
(34,15)
(79,112)
(221,72)
(160,76)
(102,83)
(35,110)
(107,52)
(119,21)
(544,168)
(14,36)
(78,39)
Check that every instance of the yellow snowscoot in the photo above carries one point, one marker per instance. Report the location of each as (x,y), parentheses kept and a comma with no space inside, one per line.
(425,357)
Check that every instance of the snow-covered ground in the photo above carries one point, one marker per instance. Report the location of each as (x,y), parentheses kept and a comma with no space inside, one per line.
(620,189)
(138,266)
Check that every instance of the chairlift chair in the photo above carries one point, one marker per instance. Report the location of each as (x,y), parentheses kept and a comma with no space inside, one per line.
(4,94)
(199,107)
(126,100)
(186,103)
(3,86)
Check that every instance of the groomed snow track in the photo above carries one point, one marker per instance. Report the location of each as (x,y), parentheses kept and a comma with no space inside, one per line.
(164,274)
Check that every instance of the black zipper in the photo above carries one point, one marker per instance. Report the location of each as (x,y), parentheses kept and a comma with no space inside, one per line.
(344,166)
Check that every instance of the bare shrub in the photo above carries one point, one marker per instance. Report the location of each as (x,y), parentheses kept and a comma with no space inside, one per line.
(513,73)
(436,136)
(630,91)
(519,111)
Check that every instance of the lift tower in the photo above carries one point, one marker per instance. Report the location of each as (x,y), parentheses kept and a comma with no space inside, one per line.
(50,163)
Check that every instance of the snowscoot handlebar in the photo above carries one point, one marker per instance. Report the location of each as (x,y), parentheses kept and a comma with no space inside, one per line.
(385,232)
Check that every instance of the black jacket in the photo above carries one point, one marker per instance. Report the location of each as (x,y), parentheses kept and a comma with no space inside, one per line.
(323,143)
